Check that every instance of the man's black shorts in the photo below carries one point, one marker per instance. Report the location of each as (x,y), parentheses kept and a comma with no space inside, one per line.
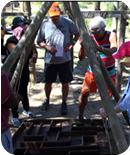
(63,70)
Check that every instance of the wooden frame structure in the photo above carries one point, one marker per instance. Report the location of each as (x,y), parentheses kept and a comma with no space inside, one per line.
(28,39)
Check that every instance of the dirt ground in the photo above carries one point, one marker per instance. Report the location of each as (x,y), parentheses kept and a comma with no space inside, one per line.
(36,96)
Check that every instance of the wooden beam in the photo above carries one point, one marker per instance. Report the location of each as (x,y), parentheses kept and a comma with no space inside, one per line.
(108,105)
(86,14)
(105,14)
(15,14)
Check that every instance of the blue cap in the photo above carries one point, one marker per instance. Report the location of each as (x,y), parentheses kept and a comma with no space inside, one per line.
(17,21)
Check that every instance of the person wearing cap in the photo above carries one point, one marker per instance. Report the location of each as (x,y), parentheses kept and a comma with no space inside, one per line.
(124,102)
(54,37)
(106,44)
(19,27)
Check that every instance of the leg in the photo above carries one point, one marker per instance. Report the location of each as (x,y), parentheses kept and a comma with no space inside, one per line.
(48,87)
(83,100)
(65,90)
(65,75)
(89,86)
(50,74)
(23,89)
(14,110)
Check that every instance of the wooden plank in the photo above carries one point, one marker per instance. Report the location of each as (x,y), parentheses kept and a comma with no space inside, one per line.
(105,14)
(86,14)
(15,14)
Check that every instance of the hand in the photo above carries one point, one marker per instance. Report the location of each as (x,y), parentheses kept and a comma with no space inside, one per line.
(103,113)
(68,47)
(34,57)
(35,53)
(18,96)
(52,49)
(80,41)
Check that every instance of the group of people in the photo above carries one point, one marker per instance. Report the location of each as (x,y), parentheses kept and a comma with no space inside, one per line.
(54,37)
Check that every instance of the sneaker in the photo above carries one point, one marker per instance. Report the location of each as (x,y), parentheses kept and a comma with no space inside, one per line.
(28,114)
(63,109)
(45,105)
(15,122)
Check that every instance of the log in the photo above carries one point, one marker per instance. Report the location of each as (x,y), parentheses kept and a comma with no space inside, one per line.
(121,40)
(24,41)
(108,105)
(97,5)
(18,72)
(115,20)
(15,14)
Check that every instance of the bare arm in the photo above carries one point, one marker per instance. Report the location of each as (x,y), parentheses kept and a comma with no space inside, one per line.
(113,45)
(81,53)
(10,47)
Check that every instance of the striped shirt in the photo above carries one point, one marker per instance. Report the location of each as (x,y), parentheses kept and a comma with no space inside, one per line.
(108,61)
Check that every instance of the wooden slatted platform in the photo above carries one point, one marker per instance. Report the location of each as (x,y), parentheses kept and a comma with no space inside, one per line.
(61,136)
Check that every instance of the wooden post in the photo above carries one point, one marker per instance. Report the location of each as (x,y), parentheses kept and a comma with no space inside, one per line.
(18,71)
(121,40)
(24,41)
(108,105)
(32,68)
(115,20)
(27,8)
(97,5)
(71,37)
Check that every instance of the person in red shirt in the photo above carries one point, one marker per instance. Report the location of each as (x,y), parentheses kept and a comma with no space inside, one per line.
(8,100)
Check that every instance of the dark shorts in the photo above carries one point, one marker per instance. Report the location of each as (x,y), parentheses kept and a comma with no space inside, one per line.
(63,70)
